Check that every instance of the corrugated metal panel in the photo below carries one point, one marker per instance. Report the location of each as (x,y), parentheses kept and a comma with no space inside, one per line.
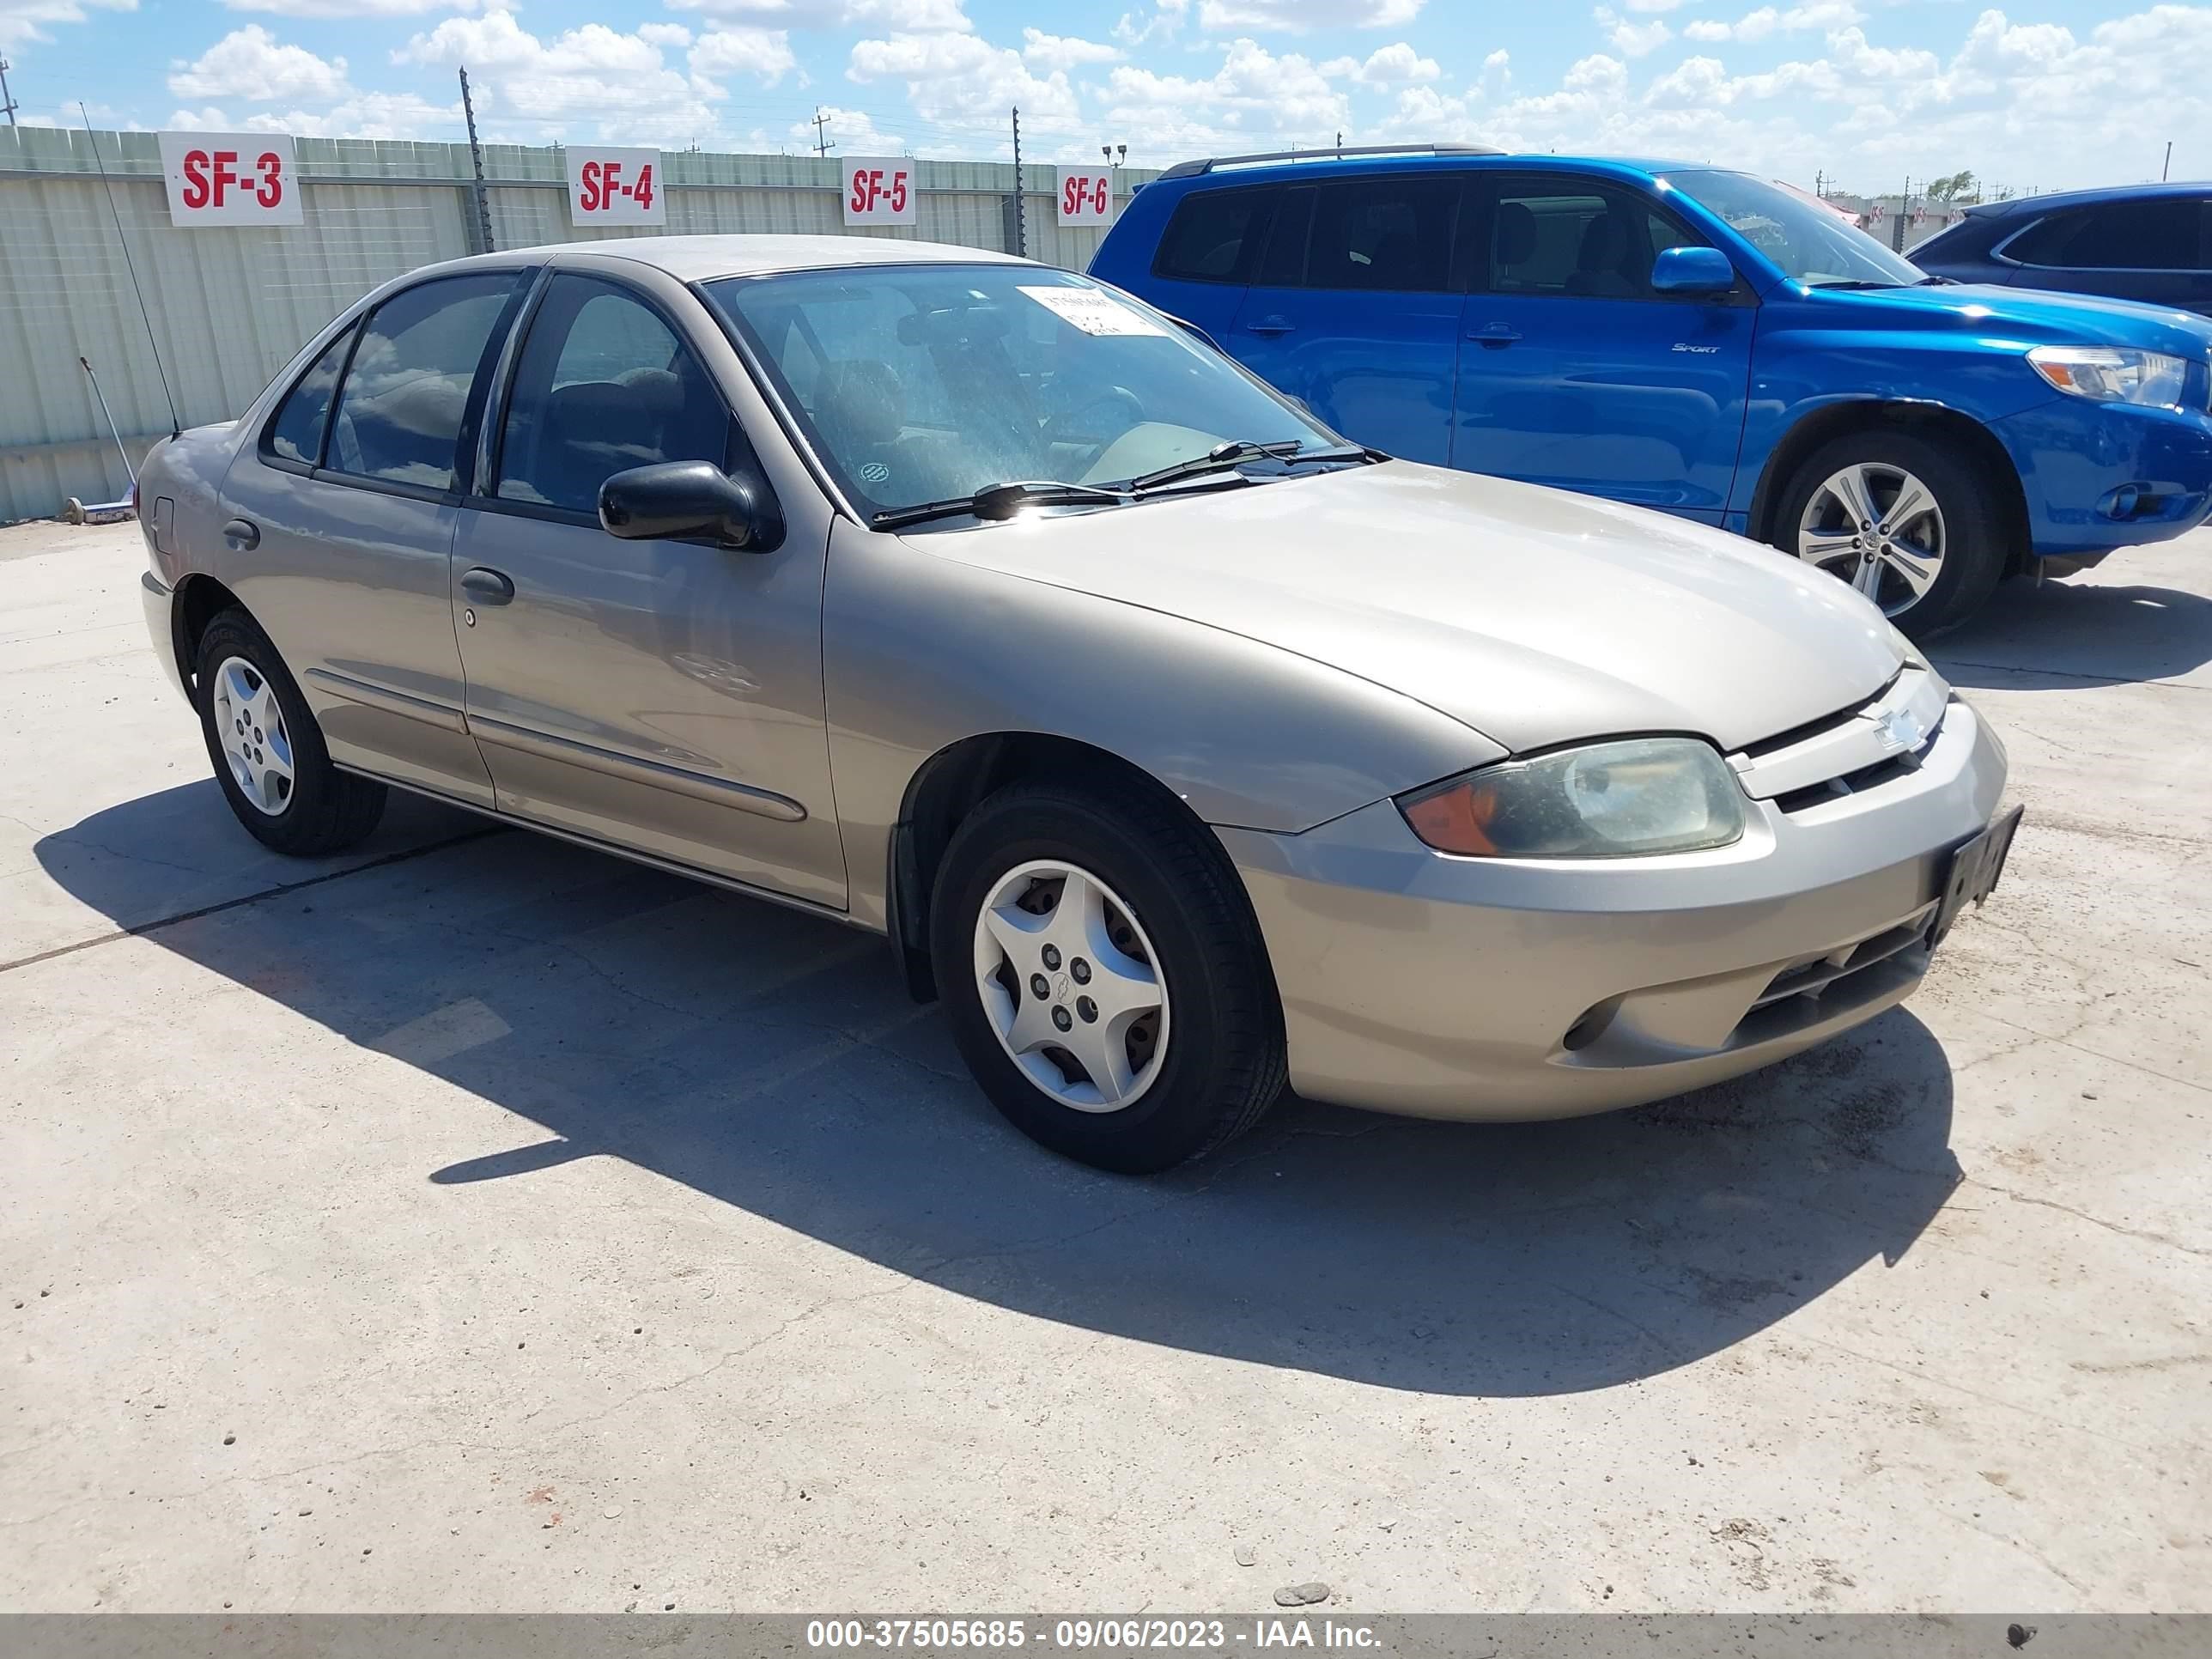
(232,306)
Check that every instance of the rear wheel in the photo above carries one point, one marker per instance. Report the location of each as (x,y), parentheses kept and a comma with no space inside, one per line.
(267,751)
(1104,978)
(1904,520)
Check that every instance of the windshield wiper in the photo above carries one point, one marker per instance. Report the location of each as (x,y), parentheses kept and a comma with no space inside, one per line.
(1239,452)
(1000,500)
(1936,282)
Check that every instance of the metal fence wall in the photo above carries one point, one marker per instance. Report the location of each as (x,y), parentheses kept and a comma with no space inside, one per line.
(231,304)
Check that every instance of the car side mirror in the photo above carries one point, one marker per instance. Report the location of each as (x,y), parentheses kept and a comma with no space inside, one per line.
(1692,270)
(690,498)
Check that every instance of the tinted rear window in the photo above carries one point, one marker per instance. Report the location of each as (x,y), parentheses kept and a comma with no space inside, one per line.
(1213,236)
(2165,234)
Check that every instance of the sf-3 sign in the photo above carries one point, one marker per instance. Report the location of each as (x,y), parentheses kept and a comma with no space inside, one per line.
(230,178)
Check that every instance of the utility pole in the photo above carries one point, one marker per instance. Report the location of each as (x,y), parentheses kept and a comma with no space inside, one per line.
(476,159)
(1340,143)
(820,132)
(2163,173)
(8,101)
(1021,212)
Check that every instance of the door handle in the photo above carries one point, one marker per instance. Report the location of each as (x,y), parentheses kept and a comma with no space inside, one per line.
(1495,335)
(486,586)
(242,535)
(1277,325)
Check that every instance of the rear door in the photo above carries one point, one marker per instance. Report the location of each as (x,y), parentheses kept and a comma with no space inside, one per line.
(662,696)
(341,526)
(1575,372)
(1206,253)
(1353,307)
(2157,250)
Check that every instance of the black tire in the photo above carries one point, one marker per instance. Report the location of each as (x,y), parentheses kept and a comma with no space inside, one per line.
(325,811)
(1977,528)
(1224,1064)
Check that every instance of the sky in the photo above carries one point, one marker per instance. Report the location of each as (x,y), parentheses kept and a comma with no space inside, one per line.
(1864,95)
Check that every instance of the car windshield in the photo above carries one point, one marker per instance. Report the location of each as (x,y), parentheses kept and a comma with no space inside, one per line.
(1812,246)
(930,382)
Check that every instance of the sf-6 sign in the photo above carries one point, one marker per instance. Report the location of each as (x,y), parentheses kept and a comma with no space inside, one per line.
(615,187)
(231,178)
(1086,196)
(878,191)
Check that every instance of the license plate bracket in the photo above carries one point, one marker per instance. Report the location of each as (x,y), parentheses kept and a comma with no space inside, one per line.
(1973,873)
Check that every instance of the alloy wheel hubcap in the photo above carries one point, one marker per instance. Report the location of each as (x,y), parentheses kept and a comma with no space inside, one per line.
(1072,986)
(1879,528)
(255,739)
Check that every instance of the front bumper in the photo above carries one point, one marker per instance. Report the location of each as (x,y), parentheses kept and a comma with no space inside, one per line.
(1490,989)
(159,602)
(2103,475)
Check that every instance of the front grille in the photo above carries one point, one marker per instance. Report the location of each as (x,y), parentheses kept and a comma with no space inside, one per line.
(1863,748)
(1814,976)
(1851,783)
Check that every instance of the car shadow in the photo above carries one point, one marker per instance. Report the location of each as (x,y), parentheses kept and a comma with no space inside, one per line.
(770,1060)
(2062,635)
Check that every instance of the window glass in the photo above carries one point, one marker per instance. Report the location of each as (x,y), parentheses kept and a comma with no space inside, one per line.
(2154,235)
(1384,234)
(1810,243)
(602,385)
(1284,264)
(1212,236)
(399,418)
(925,383)
(296,434)
(1578,240)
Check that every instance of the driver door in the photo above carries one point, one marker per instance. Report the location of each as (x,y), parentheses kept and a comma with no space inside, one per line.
(663,696)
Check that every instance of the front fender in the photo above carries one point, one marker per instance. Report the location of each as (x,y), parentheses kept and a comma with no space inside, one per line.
(920,653)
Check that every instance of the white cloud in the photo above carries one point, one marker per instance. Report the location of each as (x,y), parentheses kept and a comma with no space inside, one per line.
(851,133)
(765,55)
(29,20)
(589,81)
(1631,38)
(1254,95)
(250,64)
(350,9)
(962,80)
(1064,51)
(1394,65)
(913,16)
(1773,20)
(1297,16)
(1168,17)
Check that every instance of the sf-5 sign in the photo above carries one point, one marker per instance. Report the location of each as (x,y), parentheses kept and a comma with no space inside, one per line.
(878,191)
(1086,196)
(231,178)
(615,187)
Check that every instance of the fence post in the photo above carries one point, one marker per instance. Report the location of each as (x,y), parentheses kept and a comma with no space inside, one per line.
(475,157)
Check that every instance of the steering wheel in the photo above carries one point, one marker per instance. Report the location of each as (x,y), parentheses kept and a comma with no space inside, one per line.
(1118,398)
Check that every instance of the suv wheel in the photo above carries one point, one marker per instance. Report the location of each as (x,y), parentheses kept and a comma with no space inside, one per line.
(1104,978)
(1902,520)
(267,751)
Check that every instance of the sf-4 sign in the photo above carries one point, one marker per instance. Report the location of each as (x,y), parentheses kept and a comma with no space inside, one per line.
(879,192)
(1086,196)
(615,187)
(231,178)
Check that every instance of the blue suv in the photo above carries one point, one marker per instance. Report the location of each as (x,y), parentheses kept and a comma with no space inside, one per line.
(2148,242)
(1695,340)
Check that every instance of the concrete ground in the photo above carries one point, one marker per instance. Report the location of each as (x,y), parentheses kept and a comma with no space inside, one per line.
(479,1223)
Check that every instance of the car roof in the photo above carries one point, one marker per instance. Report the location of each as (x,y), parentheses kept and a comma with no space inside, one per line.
(2067,198)
(702,258)
(1225,170)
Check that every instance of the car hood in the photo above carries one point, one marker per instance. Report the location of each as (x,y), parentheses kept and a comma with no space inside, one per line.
(2037,318)
(1533,616)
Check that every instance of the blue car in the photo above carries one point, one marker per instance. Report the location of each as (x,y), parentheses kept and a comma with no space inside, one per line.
(2148,242)
(1695,340)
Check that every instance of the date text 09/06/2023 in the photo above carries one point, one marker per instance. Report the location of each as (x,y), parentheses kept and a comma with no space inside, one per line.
(929,1635)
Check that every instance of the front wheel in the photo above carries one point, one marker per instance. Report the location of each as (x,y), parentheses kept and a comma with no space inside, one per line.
(1104,978)
(1904,520)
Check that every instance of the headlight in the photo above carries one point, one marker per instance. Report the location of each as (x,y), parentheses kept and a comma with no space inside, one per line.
(2113,374)
(1609,801)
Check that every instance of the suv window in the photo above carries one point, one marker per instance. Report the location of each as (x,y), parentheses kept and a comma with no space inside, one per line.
(1212,236)
(1378,234)
(1578,238)
(602,385)
(2166,234)
(296,432)
(399,417)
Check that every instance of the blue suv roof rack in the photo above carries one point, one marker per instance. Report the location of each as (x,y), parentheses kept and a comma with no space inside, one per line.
(1206,164)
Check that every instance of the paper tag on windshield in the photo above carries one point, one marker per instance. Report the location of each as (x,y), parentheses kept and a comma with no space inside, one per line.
(1093,312)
